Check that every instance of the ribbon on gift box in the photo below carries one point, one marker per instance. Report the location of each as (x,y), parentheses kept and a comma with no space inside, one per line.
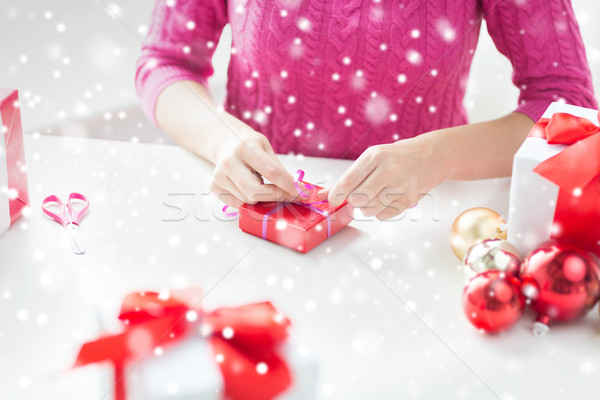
(576,171)
(244,340)
(311,205)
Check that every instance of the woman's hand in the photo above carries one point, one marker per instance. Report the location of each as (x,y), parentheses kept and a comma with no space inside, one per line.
(389,178)
(241,161)
(241,155)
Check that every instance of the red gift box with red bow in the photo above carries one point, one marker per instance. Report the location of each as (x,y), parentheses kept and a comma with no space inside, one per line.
(300,225)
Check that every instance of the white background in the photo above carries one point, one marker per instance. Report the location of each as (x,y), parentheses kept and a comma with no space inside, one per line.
(71,59)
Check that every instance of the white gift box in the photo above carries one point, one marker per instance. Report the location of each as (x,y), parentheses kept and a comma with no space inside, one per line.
(188,371)
(533,198)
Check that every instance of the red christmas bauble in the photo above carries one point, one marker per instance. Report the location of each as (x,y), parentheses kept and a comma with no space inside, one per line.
(562,280)
(493,301)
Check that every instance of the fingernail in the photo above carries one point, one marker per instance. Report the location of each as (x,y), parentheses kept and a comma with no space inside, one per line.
(301,187)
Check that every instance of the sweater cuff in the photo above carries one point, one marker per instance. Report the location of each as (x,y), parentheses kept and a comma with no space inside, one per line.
(152,82)
(534,109)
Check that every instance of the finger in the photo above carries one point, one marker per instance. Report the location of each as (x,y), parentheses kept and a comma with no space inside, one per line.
(394,209)
(234,177)
(367,191)
(271,168)
(374,206)
(298,191)
(395,201)
(231,200)
(254,190)
(399,201)
(246,181)
(225,196)
(350,180)
(269,149)
(270,192)
(322,194)
(232,188)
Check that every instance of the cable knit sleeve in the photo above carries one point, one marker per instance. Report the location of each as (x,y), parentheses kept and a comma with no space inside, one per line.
(541,39)
(181,40)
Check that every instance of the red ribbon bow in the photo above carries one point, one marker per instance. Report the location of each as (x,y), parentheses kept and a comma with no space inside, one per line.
(579,164)
(242,338)
(576,171)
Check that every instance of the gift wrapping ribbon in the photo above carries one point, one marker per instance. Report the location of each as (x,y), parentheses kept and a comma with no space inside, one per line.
(576,171)
(310,205)
(579,164)
(243,339)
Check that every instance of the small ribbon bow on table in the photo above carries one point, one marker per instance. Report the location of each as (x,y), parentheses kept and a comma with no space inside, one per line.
(576,171)
(242,338)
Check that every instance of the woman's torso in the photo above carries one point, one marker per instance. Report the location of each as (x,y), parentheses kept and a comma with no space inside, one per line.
(331,78)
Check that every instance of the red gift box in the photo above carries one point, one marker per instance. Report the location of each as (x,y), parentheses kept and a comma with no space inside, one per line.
(13,174)
(300,226)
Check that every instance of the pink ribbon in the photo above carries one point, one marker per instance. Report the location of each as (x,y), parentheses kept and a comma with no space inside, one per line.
(229,213)
(297,179)
(266,218)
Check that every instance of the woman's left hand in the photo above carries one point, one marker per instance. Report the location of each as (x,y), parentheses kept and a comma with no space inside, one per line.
(389,178)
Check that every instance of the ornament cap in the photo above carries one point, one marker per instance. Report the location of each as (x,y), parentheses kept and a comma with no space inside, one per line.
(540,329)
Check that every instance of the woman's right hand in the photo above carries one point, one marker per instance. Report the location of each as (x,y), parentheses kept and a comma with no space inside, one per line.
(242,160)
(242,156)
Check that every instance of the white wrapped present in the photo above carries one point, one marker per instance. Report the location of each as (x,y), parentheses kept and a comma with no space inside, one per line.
(167,350)
(189,371)
(539,208)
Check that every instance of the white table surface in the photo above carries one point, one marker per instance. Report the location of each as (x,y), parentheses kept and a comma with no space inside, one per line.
(347,298)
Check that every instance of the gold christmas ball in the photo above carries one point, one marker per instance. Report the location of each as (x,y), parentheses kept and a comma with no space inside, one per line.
(493,254)
(472,226)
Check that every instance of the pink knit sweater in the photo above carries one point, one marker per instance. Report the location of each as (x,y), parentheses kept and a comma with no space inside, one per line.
(332,77)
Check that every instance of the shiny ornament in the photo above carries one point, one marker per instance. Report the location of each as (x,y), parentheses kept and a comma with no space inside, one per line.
(562,281)
(493,301)
(472,226)
(492,254)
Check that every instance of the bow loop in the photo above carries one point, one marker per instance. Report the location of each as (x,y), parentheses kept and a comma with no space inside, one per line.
(578,165)
(258,324)
(565,128)
(143,306)
(135,342)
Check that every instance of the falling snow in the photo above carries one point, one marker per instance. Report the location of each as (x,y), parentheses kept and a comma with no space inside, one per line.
(414,57)
(445,30)
(376,108)
(346,287)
